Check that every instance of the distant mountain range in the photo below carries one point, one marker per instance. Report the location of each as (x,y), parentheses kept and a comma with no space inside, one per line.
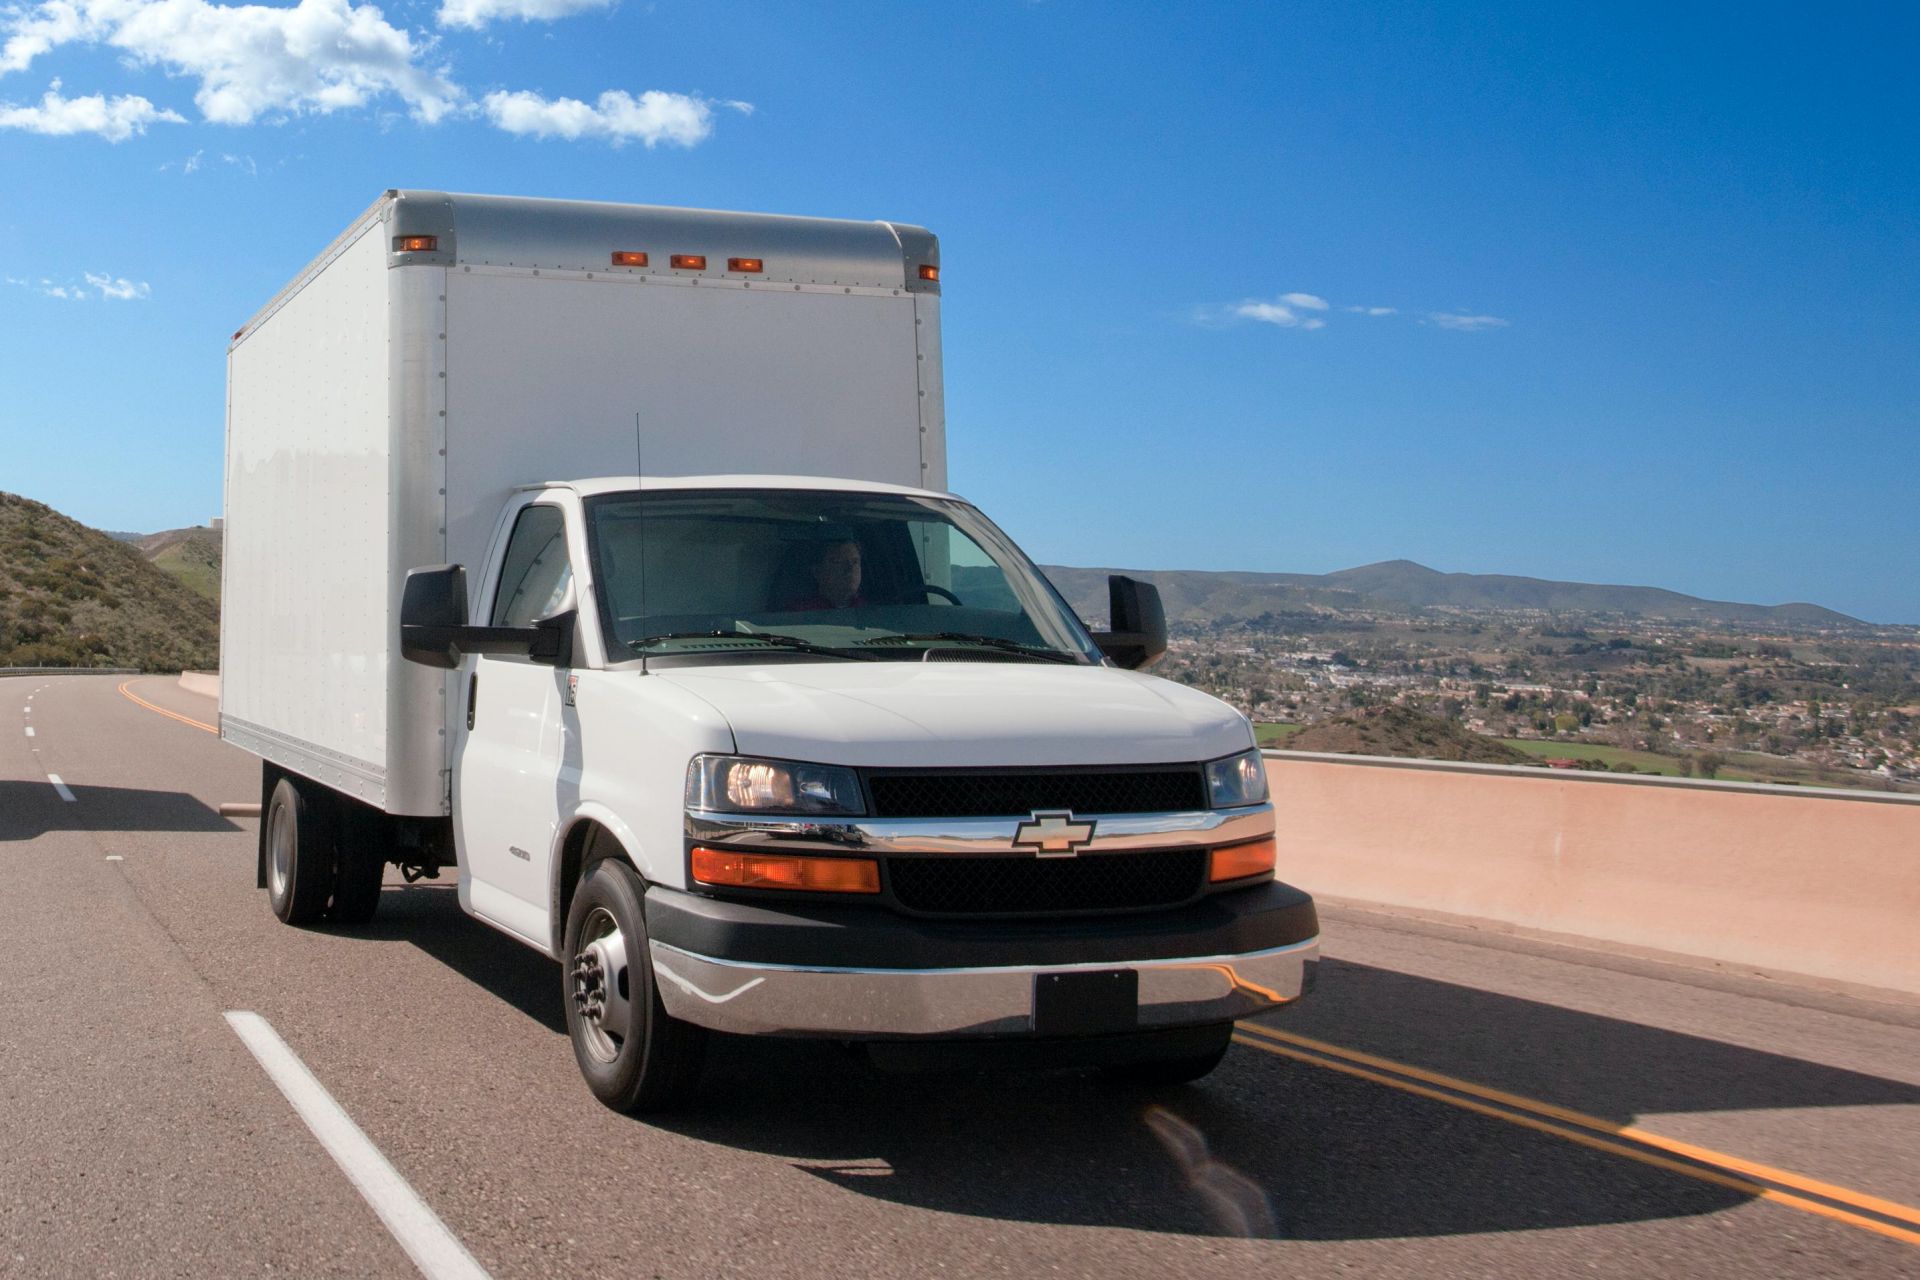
(1401,586)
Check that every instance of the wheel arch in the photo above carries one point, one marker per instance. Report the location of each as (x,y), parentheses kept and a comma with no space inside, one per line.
(592,834)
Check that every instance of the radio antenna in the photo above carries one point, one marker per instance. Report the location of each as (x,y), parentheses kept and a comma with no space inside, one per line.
(640,520)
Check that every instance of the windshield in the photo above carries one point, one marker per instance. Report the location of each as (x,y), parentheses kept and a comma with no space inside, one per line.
(881,577)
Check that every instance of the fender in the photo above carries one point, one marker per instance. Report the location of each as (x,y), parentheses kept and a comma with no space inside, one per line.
(610,822)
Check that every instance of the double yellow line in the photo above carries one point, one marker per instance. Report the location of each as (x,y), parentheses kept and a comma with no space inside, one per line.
(1763,1182)
(131,696)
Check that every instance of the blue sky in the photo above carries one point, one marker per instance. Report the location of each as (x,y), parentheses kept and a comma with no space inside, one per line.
(1646,276)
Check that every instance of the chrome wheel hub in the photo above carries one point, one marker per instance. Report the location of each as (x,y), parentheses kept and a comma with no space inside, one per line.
(601,985)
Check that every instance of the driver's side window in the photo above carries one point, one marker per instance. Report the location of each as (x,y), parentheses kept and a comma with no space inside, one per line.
(535,574)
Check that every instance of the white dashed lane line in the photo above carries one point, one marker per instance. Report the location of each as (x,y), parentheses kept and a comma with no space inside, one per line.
(61,787)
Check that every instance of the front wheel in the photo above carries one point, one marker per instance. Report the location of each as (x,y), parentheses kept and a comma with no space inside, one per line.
(635,1057)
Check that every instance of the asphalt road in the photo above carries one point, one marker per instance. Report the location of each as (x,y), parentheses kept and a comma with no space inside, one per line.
(1447,1103)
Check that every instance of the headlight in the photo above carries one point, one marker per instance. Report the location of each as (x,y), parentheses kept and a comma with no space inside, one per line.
(1237,780)
(740,784)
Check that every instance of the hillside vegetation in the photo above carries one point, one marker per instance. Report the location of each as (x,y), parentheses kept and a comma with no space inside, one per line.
(71,596)
(1403,732)
(191,555)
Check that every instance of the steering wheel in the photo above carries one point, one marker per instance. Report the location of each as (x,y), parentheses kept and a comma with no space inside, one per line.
(930,589)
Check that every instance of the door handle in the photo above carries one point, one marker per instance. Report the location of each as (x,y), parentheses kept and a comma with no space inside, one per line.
(473,698)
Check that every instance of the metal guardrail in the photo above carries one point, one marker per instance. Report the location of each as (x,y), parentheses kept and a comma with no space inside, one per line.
(1596,775)
(69,671)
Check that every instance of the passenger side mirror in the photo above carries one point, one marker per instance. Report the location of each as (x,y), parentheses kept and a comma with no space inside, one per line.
(1139,635)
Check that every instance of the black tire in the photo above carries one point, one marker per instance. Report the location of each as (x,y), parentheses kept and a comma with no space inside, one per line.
(364,836)
(653,1062)
(298,834)
(1165,1073)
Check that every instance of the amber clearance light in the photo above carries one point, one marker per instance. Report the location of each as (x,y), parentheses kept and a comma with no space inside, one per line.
(687,261)
(626,258)
(746,266)
(415,244)
(1237,861)
(768,871)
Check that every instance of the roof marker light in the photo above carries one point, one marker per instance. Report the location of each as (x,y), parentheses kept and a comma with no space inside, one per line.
(929,271)
(623,258)
(747,266)
(688,262)
(415,244)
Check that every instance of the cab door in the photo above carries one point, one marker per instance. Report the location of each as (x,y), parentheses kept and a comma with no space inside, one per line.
(507,762)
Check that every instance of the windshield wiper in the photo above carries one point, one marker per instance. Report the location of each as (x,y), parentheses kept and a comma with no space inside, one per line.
(961,637)
(776,640)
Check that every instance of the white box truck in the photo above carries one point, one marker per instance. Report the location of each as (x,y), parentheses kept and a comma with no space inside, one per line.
(602,553)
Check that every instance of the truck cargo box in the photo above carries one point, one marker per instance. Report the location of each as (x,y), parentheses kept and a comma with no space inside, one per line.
(448,348)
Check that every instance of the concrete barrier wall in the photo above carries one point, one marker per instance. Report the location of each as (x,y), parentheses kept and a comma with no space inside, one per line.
(207,682)
(1821,883)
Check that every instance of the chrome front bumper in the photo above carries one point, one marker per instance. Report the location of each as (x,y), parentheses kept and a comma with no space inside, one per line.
(770,999)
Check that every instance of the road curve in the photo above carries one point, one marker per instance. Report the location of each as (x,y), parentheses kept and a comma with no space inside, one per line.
(1412,1118)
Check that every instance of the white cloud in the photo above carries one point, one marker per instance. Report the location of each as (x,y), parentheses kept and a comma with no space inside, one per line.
(1277,314)
(1304,301)
(478,13)
(251,60)
(123,289)
(1373,311)
(115,119)
(619,117)
(192,162)
(1464,323)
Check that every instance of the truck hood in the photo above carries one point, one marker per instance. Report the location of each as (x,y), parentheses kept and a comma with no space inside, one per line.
(958,714)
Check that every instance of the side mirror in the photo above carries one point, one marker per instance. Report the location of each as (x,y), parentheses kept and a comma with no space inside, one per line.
(1139,635)
(433,611)
(434,630)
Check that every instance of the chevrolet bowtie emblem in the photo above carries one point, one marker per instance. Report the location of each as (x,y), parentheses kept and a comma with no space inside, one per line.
(1053,834)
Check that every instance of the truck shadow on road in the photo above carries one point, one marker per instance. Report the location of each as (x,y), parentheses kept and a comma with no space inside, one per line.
(32,809)
(1265,1146)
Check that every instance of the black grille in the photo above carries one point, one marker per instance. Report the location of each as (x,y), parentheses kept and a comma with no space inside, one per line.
(966,885)
(1015,795)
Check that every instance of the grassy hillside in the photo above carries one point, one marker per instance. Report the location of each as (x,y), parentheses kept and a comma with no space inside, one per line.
(73,596)
(1401,732)
(191,555)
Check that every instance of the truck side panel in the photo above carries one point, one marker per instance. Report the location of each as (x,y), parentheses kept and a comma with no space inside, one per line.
(304,632)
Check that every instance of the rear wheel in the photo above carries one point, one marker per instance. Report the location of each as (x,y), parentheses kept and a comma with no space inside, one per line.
(635,1057)
(1161,1073)
(300,850)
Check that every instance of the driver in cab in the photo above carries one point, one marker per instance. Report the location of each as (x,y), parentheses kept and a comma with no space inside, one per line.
(834,578)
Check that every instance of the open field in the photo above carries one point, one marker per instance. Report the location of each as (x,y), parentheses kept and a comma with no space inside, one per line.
(1550,749)
(1272,734)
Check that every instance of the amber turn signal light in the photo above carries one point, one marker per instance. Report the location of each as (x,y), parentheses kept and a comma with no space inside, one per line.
(1237,861)
(688,262)
(929,272)
(748,265)
(621,258)
(768,871)
(415,244)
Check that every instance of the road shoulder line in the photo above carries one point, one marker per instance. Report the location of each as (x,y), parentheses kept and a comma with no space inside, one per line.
(418,1229)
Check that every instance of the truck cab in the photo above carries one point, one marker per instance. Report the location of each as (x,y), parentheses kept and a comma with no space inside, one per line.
(833,759)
